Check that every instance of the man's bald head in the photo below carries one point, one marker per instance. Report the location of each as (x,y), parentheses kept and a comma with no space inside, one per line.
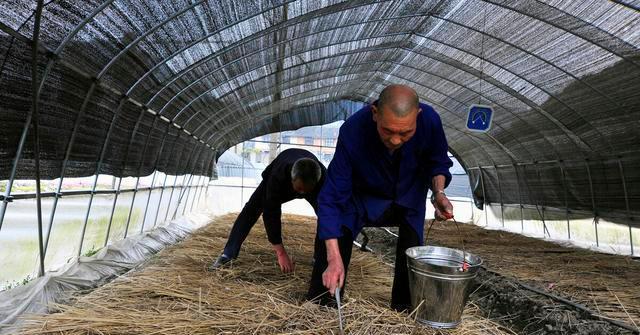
(400,99)
(395,115)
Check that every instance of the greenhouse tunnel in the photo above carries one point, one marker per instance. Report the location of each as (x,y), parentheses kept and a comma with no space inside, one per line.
(142,98)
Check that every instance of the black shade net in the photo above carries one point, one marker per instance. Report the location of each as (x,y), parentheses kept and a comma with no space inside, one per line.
(169,85)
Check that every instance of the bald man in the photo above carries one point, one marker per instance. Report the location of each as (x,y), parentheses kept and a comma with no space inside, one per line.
(388,156)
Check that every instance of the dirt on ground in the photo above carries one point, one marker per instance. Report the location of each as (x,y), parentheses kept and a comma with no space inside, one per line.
(606,284)
(173,293)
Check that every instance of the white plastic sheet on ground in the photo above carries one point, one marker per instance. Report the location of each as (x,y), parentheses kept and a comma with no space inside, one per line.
(85,273)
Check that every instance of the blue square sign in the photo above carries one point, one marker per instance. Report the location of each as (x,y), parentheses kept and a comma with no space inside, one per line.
(479,118)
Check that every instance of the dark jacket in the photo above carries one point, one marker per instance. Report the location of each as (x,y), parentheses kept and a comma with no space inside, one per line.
(276,178)
(363,179)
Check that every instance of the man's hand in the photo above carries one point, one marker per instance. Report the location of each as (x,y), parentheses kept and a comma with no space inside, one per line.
(333,276)
(444,208)
(286,264)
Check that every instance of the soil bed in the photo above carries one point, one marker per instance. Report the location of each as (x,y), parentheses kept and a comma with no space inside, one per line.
(174,294)
(519,265)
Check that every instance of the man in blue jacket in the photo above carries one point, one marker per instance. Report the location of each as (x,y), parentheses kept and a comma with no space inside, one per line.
(387,157)
(293,174)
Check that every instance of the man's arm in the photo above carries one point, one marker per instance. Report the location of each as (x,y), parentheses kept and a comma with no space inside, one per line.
(440,163)
(335,194)
(271,216)
(333,199)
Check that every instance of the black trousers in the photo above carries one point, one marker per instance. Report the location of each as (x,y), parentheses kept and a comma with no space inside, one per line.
(245,221)
(407,238)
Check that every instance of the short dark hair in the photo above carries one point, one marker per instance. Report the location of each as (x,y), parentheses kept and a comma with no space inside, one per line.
(307,170)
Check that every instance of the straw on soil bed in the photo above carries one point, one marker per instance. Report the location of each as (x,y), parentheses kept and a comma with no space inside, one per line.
(174,294)
(605,283)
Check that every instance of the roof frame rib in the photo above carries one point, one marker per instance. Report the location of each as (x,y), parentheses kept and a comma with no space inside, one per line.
(574,137)
(347,53)
(371,63)
(302,19)
(342,54)
(252,117)
(568,18)
(493,83)
(267,32)
(471,70)
(473,137)
(569,23)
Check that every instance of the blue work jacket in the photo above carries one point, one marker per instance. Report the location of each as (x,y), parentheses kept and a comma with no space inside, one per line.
(364,179)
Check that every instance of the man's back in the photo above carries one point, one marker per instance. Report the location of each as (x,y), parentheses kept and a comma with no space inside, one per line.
(277,175)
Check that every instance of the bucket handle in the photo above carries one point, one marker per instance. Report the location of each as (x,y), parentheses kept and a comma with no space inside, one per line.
(465,265)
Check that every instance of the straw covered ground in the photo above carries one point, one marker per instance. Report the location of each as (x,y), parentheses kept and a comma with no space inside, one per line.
(174,294)
(607,284)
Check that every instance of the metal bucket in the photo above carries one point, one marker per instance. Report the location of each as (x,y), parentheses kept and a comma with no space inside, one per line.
(439,284)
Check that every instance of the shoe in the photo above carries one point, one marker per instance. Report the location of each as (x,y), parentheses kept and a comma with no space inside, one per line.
(221,261)
(402,308)
(322,299)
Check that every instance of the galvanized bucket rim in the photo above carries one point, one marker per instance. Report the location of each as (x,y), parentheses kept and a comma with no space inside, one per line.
(467,255)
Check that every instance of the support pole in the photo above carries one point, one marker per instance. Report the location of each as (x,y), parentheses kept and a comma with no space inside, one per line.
(195,187)
(484,197)
(103,151)
(626,203)
(544,223)
(203,188)
(206,189)
(187,193)
(501,200)
(531,197)
(566,198)
(195,193)
(146,206)
(36,131)
(175,182)
(133,201)
(67,156)
(164,183)
(593,203)
(515,169)
(6,199)
(471,199)
(242,177)
(188,188)
(213,155)
(124,164)
(155,173)
(194,202)
(138,173)
(113,210)
(186,200)
(182,188)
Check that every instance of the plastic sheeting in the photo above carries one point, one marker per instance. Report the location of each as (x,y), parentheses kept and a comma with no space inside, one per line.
(563,77)
(37,296)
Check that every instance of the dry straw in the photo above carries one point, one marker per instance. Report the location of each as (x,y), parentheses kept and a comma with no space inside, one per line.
(174,294)
(605,283)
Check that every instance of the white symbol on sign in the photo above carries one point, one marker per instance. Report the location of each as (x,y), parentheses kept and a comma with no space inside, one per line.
(479,116)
